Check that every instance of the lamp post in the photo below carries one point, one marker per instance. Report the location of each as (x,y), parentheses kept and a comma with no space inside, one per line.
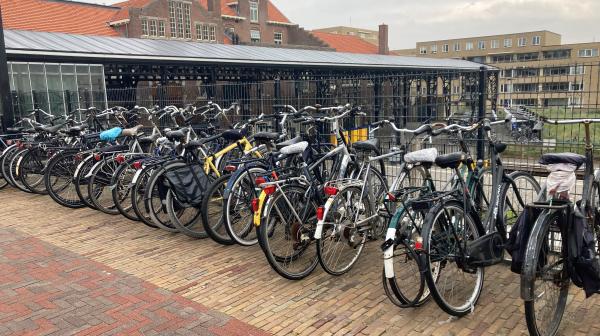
(5,98)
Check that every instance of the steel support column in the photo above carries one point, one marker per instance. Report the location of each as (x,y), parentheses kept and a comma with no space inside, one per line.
(481,111)
(8,117)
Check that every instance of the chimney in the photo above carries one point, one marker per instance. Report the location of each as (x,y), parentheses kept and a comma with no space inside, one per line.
(383,39)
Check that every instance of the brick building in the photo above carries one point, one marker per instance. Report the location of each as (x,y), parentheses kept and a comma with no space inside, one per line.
(256,22)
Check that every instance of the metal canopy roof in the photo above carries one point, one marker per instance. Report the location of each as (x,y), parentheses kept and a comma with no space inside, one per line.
(31,43)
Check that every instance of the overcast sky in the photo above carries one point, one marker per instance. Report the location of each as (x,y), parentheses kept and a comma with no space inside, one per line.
(422,20)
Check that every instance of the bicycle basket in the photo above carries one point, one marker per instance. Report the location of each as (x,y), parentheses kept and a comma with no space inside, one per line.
(188,183)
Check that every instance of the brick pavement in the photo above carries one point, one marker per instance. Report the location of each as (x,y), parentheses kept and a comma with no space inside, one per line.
(238,281)
(49,290)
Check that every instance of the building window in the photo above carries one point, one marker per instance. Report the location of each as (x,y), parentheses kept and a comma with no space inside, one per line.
(536,41)
(254,11)
(481,45)
(557,54)
(560,87)
(577,70)
(172,19)
(434,49)
(556,71)
(144,27)
(161,28)
(525,72)
(503,58)
(278,37)
(576,86)
(445,48)
(212,32)
(528,57)
(153,28)
(575,101)
(588,52)
(522,41)
(423,50)
(495,44)
(507,43)
(198,31)
(469,46)
(456,46)
(180,19)
(255,36)
(205,33)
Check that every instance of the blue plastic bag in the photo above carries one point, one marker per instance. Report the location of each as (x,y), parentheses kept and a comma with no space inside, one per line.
(111,134)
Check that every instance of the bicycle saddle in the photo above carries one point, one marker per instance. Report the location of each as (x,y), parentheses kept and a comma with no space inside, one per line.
(265,136)
(232,135)
(452,160)
(177,135)
(569,158)
(49,129)
(367,145)
(149,139)
(298,148)
(282,144)
(131,131)
(427,155)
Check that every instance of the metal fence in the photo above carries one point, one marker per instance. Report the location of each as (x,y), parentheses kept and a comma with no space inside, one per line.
(558,91)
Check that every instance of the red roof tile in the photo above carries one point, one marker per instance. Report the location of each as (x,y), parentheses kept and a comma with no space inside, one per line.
(275,14)
(226,9)
(58,16)
(347,43)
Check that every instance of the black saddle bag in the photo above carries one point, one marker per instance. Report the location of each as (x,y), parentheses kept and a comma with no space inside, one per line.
(519,237)
(584,265)
(189,184)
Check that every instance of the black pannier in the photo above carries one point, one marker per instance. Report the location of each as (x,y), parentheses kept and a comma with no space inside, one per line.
(188,183)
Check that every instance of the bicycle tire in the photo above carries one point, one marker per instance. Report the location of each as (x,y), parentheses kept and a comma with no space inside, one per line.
(14,168)
(432,251)
(62,168)
(348,202)
(121,192)
(137,197)
(302,242)
(214,221)
(81,181)
(99,186)
(154,203)
(32,166)
(530,273)
(238,209)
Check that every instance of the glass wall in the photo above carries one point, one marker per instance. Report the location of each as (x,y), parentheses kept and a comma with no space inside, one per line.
(56,88)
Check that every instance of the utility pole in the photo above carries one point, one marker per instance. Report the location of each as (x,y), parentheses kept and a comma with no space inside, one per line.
(5,98)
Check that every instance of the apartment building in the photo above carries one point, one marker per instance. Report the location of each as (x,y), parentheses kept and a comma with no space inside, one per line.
(537,70)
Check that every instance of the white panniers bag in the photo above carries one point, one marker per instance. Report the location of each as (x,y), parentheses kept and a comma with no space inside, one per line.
(561,180)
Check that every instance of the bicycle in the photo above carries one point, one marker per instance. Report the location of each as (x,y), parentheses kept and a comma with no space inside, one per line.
(548,265)
(458,243)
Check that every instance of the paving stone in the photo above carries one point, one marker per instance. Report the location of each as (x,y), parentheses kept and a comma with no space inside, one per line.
(117,276)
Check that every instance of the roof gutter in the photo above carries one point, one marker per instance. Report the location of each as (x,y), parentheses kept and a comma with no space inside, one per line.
(220,60)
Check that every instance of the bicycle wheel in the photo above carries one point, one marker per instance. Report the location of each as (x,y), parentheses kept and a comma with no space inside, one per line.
(59,180)
(121,192)
(32,170)
(287,239)
(344,233)
(15,170)
(405,280)
(212,212)
(6,159)
(99,187)
(82,181)
(379,186)
(156,195)
(137,196)
(237,212)
(527,188)
(455,286)
(545,277)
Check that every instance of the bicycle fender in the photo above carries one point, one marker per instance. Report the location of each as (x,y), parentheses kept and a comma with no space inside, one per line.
(597,175)
(96,165)
(235,175)
(388,254)
(528,271)
(80,165)
(326,207)
(261,205)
